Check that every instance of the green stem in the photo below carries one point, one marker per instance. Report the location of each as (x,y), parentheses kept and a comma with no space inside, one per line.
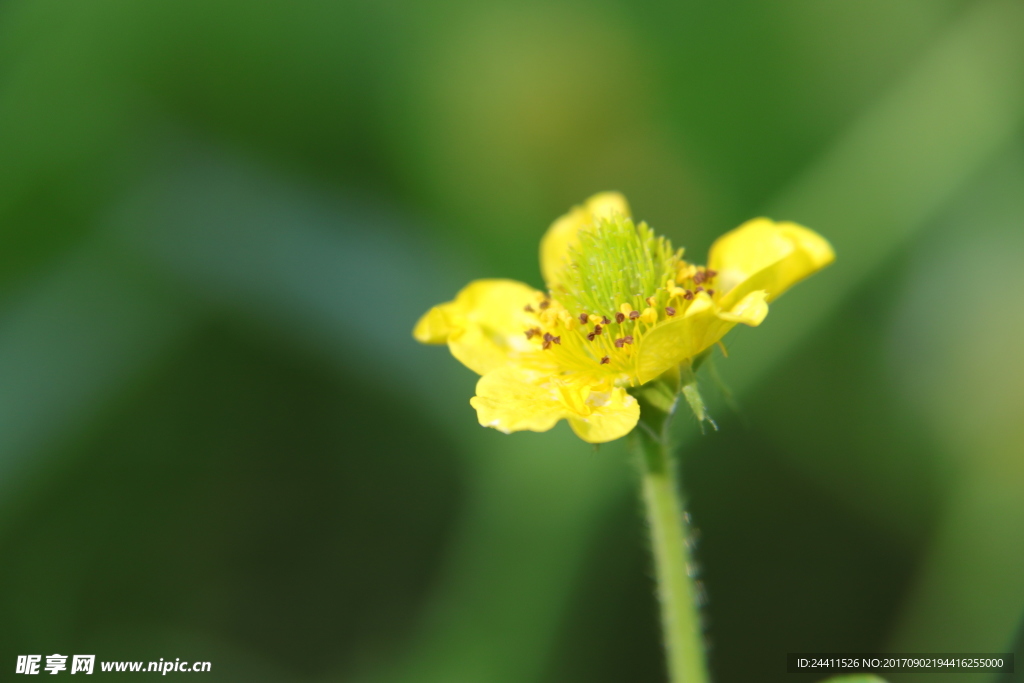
(680,618)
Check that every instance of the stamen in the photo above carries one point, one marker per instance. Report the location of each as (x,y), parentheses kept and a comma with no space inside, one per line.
(557,340)
(688,295)
(619,318)
(528,308)
(546,345)
(633,315)
(606,360)
(583,318)
(544,304)
(532,332)
(669,311)
(711,273)
(711,292)
(605,320)
(699,289)
(628,339)
(590,337)
(597,329)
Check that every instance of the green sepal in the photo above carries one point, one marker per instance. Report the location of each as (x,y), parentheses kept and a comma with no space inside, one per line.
(691,393)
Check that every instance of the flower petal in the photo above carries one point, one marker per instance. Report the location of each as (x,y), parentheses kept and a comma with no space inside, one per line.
(670,343)
(555,245)
(614,414)
(751,309)
(763,254)
(483,326)
(512,399)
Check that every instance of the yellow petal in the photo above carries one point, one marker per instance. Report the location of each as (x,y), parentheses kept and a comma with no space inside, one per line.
(484,326)
(512,399)
(554,246)
(703,324)
(763,254)
(672,342)
(433,327)
(613,414)
(751,309)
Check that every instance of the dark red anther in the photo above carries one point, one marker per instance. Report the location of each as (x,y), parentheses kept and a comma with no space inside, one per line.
(597,329)
(583,318)
(619,342)
(590,337)
(688,295)
(699,289)
(546,345)
(530,333)
(606,360)
(633,315)
(698,278)
(528,308)
(619,317)
(711,273)
(669,311)
(548,336)
(605,320)
(544,304)
(628,339)
(557,340)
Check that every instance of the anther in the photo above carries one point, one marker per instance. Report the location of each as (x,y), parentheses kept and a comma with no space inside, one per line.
(546,345)
(583,318)
(698,278)
(619,318)
(590,337)
(544,304)
(605,320)
(548,336)
(605,360)
(711,292)
(628,339)
(633,315)
(710,273)
(528,308)
(597,329)
(557,340)
(532,332)
(669,311)
(699,289)
(619,342)
(688,295)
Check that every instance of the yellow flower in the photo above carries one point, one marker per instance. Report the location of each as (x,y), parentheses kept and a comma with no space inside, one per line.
(622,307)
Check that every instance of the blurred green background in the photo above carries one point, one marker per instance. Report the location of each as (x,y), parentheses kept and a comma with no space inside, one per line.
(219,221)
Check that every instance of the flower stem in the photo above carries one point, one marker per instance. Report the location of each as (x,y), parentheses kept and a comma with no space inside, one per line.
(677,594)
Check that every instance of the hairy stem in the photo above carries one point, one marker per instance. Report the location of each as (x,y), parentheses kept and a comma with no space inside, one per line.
(677,593)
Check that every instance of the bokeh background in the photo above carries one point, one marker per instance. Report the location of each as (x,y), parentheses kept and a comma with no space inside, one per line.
(219,221)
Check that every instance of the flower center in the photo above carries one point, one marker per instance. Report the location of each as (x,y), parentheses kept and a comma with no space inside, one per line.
(616,262)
